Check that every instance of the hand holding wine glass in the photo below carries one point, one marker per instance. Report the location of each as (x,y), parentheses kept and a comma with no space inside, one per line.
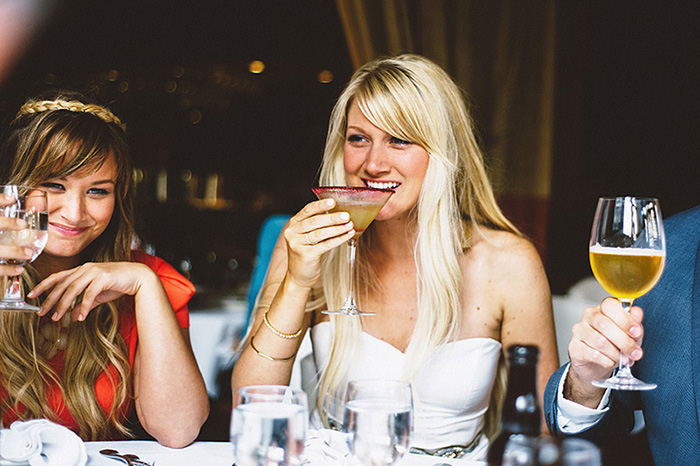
(379,420)
(29,205)
(627,253)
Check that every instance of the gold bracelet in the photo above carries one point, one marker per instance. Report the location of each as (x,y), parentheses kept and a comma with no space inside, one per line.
(277,332)
(267,356)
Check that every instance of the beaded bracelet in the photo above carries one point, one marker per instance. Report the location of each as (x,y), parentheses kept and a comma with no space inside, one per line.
(267,356)
(277,332)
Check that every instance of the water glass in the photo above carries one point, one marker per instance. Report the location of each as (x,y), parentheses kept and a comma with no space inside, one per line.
(378,419)
(523,450)
(580,452)
(268,425)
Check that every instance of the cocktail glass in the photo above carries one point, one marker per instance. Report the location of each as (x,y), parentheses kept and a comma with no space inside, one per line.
(363,204)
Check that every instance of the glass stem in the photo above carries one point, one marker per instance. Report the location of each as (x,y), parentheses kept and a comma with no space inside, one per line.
(623,366)
(350,299)
(13,289)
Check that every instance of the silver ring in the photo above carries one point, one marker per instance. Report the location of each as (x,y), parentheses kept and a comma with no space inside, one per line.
(308,240)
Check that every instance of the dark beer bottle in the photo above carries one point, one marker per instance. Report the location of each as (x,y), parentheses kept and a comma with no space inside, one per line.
(520,417)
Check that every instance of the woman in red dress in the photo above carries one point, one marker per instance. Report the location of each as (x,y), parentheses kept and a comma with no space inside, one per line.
(112,333)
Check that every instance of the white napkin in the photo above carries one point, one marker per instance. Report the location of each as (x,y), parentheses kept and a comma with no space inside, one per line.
(42,443)
(325,447)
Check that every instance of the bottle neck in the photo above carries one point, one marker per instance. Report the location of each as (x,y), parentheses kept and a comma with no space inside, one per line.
(521,410)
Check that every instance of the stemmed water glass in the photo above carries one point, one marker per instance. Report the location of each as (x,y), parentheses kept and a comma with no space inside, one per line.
(31,205)
(378,418)
(268,425)
(363,204)
(627,253)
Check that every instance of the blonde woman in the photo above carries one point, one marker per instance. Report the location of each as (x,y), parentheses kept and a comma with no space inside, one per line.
(111,336)
(451,280)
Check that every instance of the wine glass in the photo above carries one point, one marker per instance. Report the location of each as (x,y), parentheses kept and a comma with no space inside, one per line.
(627,253)
(363,204)
(268,425)
(378,419)
(31,206)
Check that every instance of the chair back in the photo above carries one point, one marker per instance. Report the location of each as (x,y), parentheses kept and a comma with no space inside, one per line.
(267,238)
(304,372)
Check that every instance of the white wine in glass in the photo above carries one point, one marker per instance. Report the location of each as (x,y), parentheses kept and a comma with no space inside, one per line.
(363,204)
(31,206)
(627,252)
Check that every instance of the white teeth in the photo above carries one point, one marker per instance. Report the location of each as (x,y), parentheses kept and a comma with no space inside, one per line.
(380,185)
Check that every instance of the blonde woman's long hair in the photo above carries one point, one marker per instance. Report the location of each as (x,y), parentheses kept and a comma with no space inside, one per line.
(413,99)
(44,142)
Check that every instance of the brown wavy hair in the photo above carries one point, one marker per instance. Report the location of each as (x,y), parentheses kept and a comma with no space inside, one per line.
(53,136)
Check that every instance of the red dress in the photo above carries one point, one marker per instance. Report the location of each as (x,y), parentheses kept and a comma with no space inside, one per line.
(179,291)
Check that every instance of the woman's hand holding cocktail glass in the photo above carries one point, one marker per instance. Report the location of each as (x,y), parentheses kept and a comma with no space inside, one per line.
(363,204)
(340,216)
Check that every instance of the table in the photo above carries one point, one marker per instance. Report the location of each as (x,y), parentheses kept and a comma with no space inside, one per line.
(204,453)
(212,454)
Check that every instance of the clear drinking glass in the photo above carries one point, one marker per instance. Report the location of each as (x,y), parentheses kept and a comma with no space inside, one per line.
(30,205)
(378,419)
(627,254)
(580,452)
(363,204)
(268,425)
(543,450)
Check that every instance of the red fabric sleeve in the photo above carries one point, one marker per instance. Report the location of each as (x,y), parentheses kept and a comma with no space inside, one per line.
(178,289)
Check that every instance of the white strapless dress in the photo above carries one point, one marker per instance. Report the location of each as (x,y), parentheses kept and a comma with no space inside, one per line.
(451,391)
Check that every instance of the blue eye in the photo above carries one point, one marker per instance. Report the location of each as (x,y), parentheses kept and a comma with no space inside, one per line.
(53,186)
(399,141)
(355,138)
(98,191)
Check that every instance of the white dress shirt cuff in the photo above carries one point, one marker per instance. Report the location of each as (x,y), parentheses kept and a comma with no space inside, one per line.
(573,417)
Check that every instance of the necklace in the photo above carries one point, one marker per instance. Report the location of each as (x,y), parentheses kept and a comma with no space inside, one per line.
(53,336)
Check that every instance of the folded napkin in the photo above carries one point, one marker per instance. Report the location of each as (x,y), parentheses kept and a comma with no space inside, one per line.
(325,447)
(42,443)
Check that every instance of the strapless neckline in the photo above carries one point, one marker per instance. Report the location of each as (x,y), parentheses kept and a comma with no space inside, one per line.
(451,386)
(462,341)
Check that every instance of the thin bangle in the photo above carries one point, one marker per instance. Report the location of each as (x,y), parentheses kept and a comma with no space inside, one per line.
(277,332)
(267,356)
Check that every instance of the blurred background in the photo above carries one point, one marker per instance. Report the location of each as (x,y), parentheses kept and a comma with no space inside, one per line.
(227,103)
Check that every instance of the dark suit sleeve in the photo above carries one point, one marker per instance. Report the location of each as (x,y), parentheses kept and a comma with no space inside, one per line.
(617,421)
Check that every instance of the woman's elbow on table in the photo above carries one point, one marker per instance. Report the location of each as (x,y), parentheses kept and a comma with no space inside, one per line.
(174,434)
(181,437)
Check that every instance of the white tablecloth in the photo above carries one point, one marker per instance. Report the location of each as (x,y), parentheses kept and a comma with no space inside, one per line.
(213,333)
(204,453)
(211,454)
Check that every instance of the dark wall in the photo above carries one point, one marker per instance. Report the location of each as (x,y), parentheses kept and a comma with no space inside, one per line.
(626,111)
(177,74)
(627,117)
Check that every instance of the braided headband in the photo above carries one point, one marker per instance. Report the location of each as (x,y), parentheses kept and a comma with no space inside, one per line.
(73,106)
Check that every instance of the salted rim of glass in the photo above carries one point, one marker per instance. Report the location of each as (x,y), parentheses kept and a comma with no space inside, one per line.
(324,189)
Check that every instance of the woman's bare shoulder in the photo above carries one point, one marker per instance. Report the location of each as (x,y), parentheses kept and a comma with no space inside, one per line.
(500,246)
(502,261)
